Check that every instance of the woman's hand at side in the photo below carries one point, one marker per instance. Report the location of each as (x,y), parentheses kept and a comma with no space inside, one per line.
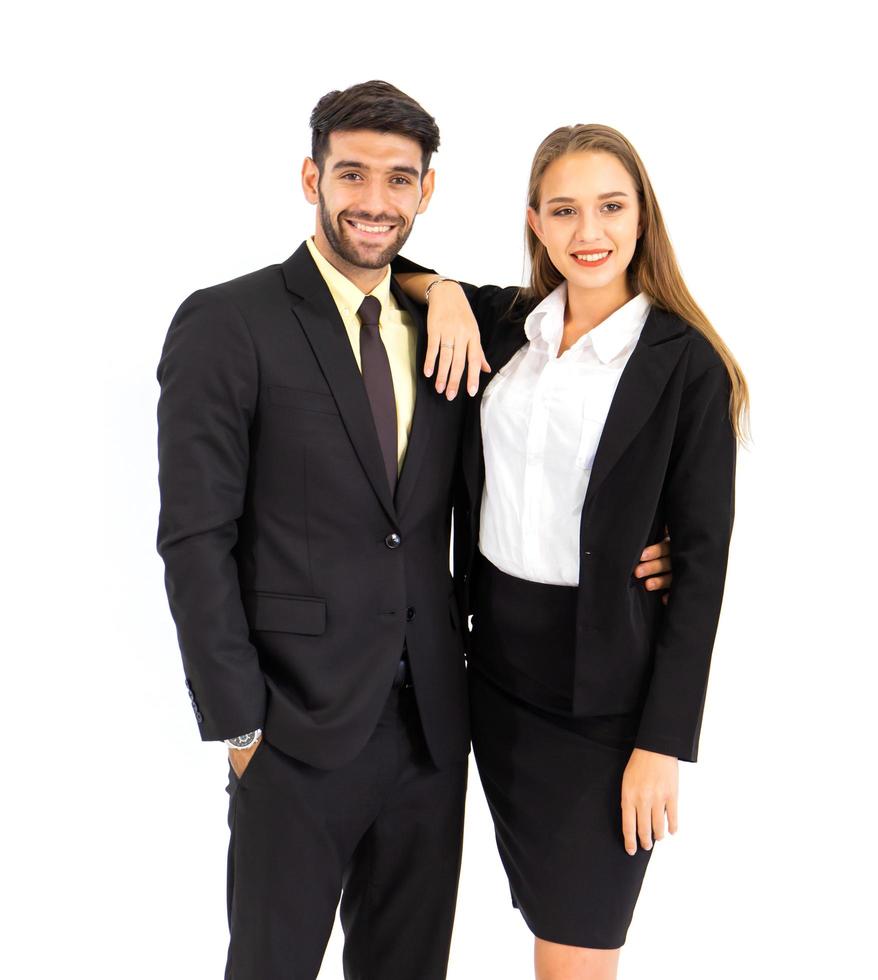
(649,791)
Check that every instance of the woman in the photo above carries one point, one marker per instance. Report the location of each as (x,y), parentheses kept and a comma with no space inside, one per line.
(613,411)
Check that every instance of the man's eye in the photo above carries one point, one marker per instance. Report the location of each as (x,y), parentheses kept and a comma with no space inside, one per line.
(351,177)
(400,180)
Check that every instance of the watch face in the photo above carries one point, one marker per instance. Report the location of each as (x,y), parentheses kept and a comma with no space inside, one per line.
(242,741)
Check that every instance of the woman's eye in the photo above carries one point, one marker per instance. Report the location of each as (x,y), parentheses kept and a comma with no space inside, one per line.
(563,212)
(612,207)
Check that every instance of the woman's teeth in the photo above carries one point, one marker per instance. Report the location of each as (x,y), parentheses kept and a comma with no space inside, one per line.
(596,257)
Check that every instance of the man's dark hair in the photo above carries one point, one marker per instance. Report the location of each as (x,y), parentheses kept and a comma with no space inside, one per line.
(372,105)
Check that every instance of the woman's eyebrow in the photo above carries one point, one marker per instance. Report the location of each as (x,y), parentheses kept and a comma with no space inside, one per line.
(572,200)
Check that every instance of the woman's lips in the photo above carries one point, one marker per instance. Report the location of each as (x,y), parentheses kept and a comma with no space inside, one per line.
(592,259)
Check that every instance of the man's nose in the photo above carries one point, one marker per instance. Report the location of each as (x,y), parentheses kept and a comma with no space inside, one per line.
(375,199)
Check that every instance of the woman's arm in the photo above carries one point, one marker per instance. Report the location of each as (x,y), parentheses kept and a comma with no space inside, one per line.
(699,501)
(452,331)
(699,494)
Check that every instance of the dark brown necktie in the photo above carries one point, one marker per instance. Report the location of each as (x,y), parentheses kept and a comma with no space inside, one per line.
(379,384)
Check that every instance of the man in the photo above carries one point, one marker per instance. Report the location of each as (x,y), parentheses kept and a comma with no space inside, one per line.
(307,474)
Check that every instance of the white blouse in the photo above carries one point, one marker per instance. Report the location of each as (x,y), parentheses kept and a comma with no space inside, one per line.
(542,417)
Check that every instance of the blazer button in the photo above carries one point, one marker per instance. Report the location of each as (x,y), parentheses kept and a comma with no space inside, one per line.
(410,614)
(199,717)
(393,540)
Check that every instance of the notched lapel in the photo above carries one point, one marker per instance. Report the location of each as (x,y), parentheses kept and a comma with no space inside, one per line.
(643,380)
(313,306)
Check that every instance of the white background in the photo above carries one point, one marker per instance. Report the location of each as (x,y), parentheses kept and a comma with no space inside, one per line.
(154,149)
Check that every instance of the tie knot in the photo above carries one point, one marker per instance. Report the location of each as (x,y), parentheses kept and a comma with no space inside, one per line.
(370,311)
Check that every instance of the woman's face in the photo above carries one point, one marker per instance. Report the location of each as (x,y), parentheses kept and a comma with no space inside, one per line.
(588,219)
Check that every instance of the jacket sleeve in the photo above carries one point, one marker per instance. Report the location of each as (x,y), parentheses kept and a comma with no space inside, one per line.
(208,377)
(699,505)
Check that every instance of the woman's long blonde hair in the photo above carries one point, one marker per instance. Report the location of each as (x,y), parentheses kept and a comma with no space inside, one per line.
(653,269)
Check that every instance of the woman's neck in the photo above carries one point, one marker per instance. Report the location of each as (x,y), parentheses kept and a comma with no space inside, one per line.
(586,308)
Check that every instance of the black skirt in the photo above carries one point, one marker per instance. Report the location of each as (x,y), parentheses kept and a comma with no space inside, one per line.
(553,782)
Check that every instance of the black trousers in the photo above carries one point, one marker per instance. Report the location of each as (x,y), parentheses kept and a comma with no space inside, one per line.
(384,833)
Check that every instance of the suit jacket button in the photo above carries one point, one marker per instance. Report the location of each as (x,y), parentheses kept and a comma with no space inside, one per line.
(410,614)
(199,717)
(393,540)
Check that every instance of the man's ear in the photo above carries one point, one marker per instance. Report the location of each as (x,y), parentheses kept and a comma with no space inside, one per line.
(428,184)
(536,226)
(310,180)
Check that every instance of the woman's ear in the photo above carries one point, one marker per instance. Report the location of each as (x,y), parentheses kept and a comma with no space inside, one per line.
(533,220)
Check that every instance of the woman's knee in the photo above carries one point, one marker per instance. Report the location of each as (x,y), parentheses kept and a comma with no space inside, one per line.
(554,961)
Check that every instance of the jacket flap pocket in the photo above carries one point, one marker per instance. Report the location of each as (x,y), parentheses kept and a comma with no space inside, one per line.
(311,401)
(279,613)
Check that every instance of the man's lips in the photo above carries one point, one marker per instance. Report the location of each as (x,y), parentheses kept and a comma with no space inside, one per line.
(592,257)
(370,229)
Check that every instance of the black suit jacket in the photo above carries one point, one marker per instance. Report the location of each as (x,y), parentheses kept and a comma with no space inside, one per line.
(294,576)
(666,458)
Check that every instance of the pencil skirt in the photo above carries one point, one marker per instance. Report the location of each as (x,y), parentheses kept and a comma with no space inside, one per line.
(552,781)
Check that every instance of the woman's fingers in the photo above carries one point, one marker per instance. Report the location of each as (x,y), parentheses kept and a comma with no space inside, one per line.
(644,825)
(629,827)
(434,339)
(458,363)
(658,820)
(446,356)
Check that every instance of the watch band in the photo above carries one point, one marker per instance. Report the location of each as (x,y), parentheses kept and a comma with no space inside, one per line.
(244,741)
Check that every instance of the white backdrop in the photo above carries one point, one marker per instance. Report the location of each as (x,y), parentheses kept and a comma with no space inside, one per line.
(154,149)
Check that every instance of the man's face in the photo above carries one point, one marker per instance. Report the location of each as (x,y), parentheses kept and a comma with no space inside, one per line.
(368,193)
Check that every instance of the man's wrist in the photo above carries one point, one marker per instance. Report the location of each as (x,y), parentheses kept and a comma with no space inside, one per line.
(244,741)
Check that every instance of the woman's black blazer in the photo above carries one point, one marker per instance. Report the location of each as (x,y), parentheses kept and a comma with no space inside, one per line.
(666,458)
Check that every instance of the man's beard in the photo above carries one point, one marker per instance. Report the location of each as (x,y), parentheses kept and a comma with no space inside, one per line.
(347,250)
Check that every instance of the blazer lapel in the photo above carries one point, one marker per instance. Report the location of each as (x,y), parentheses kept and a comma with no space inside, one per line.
(510,339)
(643,380)
(426,406)
(315,309)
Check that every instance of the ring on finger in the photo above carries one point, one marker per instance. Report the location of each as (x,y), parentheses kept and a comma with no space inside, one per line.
(448,346)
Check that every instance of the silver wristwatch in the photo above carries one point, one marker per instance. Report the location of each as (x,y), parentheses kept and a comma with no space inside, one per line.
(243,741)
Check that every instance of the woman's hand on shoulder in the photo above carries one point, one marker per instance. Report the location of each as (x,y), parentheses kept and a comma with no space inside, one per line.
(453,336)
(649,792)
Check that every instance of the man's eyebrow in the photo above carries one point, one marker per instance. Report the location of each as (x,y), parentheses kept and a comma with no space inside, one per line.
(401,168)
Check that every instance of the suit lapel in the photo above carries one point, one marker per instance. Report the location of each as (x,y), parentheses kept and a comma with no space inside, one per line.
(426,407)
(315,309)
(643,380)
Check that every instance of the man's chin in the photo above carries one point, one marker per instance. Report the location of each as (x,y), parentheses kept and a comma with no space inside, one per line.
(371,258)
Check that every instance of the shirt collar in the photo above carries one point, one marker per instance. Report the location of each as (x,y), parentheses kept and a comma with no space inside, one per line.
(344,292)
(609,338)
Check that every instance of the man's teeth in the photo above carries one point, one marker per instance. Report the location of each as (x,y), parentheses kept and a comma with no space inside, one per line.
(593,258)
(376,229)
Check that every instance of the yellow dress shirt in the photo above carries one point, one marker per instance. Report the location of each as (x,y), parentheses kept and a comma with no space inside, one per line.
(397,330)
